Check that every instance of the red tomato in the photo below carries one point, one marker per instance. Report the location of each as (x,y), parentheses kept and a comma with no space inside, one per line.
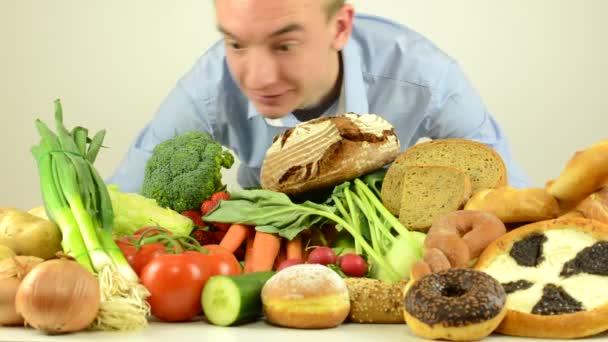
(146,254)
(222,261)
(127,249)
(175,282)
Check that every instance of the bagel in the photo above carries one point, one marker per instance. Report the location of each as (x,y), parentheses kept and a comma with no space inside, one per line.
(555,273)
(456,239)
(585,172)
(456,304)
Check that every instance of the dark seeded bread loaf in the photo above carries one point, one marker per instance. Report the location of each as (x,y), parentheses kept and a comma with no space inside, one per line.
(484,167)
(324,152)
(429,192)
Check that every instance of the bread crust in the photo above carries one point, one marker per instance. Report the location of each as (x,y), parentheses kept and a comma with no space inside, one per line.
(513,205)
(324,152)
(585,172)
(501,165)
(579,324)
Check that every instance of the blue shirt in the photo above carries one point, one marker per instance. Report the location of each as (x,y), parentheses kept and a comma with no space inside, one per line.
(388,69)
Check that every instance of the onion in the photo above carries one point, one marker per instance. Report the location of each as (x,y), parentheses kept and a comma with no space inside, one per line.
(8,290)
(58,296)
(12,270)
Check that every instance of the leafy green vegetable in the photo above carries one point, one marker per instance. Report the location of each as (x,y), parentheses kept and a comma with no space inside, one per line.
(75,196)
(185,170)
(270,212)
(133,211)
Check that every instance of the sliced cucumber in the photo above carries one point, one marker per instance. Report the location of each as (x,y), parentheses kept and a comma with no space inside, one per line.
(230,300)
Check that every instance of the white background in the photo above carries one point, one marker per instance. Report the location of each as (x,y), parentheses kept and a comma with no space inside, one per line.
(541,67)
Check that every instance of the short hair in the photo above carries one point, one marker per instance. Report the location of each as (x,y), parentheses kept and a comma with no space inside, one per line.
(333,6)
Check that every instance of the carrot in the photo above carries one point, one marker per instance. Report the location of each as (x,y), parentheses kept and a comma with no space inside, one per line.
(235,236)
(248,252)
(265,249)
(294,248)
(282,255)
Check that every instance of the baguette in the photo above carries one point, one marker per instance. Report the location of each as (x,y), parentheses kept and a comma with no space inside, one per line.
(513,205)
(594,207)
(324,152)
(585,172)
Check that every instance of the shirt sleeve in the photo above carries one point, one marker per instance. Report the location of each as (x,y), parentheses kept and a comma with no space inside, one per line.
(458,112)
(178,113)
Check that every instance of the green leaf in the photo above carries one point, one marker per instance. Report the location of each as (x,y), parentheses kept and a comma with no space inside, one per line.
(269,211)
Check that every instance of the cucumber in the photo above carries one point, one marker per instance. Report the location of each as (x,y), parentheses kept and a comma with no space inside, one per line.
(230,300)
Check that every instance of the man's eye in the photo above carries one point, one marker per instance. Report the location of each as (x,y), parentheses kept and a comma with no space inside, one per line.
(285,47)
(234,45)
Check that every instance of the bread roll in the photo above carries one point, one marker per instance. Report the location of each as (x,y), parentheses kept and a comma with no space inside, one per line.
(513,205)
(324,152)
(585,172)
(375,301)
(307,296)
(594,207)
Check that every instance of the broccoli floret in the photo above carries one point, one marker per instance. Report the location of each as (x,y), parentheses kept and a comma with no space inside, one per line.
(185,170)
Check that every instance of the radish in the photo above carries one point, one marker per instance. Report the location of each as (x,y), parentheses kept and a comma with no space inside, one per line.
(353,265)
(322,255)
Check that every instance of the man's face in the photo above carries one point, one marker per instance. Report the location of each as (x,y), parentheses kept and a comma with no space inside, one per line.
(282,53)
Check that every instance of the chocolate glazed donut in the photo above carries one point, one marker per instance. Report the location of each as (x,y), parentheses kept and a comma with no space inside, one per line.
(455,304)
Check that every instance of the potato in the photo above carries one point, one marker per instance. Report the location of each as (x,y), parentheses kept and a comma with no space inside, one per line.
(6,252)
(27,234)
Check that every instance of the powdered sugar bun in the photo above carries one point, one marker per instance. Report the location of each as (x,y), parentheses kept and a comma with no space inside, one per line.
(306,296)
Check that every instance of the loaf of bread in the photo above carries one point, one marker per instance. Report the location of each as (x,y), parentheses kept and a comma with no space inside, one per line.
(324,152)
(426,193)
(484,167)
(513,205)
(585,172)
(375,301)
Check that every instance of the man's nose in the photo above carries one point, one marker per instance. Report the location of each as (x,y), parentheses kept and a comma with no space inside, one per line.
(261,70)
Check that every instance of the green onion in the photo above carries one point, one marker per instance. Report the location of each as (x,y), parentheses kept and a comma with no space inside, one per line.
(77,200)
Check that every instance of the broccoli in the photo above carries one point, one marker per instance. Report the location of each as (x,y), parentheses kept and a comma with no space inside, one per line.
(185,170)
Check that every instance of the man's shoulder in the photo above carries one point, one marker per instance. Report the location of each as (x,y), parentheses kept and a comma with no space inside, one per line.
(393,50)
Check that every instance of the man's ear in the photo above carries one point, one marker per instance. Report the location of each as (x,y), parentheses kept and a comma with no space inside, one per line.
(343,24)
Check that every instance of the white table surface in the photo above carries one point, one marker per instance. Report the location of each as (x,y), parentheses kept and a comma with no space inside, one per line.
(200,331)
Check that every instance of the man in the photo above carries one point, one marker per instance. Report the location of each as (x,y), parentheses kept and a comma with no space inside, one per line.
(282,62)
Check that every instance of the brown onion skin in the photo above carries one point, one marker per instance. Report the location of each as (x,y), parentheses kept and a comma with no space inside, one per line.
(58,296)
(8,291)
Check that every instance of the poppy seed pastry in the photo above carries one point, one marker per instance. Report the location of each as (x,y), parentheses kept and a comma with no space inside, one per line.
(555,274)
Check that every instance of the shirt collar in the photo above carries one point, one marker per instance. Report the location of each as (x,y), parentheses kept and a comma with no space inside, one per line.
(355,96)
